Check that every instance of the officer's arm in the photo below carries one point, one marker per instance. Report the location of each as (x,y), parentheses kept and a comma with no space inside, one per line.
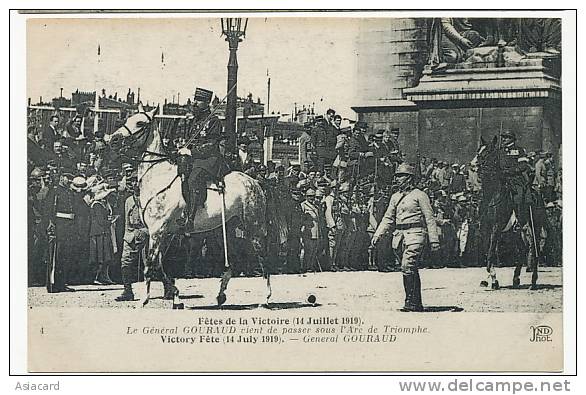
(427,211)
(129,228)
(388,220)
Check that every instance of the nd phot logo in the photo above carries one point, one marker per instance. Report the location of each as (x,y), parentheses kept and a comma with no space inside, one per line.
(541,333)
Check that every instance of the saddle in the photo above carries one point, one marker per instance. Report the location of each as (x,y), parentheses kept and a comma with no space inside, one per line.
(195,174)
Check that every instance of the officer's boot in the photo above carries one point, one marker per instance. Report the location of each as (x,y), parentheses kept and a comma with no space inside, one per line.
(185,190)
(170,289)
(127,294)
(408,287)
(417,303)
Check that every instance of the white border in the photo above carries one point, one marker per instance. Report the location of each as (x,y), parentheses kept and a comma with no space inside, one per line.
(17,101)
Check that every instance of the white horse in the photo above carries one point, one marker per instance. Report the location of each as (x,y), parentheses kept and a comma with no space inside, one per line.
(162,203)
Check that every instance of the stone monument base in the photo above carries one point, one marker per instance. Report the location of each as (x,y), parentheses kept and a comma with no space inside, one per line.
(445,115)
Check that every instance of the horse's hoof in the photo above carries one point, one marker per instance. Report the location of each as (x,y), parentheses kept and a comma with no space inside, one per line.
(529,269)
(495,285)
(533,287)
(484,283)
(178,306)
(221,299)
(516,283)
(145,302)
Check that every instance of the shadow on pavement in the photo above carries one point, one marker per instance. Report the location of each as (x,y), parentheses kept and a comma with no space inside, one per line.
(77,289)
(225,307)
(289,305)
(439,309)
(538,286)
(270,306)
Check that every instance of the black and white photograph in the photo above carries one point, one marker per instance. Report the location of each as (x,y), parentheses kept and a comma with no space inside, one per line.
(318,192)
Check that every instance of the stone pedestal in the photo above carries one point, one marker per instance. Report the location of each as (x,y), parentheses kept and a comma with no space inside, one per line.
(458,106)
(447,111)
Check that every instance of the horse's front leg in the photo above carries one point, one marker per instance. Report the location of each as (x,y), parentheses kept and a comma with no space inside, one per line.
(149,267)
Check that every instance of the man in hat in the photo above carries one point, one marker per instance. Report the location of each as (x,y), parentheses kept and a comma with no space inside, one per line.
(410,216)
(61,232)
(388,156)
(135,240)
(79,271)
(458,181)
(244,158)
(50,134)
(311,231)
(323,140)
(294,218)
(512,171)
(343,225)
(359,152)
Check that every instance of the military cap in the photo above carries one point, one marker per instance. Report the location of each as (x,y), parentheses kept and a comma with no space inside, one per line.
(405,169)
(36,173)
(319,193)
(455,165)
(531,154)
(394,130)
(508,133)
(360,125)
(378,135)
(78,184)
(203,95)
(310,192)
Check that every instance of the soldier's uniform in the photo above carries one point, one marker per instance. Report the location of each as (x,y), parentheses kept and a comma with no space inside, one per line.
(62,235)
(311,231)
(135,240)
(512,170)
(361,158)
(323,139)
(410,216)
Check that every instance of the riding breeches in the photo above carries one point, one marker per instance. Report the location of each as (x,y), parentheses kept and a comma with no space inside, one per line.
(408,251)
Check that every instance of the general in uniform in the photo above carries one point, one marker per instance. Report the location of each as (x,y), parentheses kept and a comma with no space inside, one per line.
(410,217)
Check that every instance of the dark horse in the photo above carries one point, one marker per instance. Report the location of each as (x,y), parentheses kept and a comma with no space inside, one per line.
(499,214)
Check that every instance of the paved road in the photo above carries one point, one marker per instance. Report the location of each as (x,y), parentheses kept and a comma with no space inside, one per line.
(443,290)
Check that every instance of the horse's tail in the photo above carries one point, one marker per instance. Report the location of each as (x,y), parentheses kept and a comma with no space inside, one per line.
(276,222)
(254,207)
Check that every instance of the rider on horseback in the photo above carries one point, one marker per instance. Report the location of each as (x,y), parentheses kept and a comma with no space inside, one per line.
(514,171)
(201,161)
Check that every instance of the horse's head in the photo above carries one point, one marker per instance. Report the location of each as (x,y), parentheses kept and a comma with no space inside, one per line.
(133,134)
(487,158)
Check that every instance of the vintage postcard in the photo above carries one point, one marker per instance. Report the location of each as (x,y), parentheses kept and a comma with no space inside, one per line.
(318,192)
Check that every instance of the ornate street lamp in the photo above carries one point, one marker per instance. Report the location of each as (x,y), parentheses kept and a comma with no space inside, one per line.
(235,31)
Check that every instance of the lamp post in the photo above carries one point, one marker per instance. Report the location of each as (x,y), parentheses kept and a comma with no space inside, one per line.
(235,31)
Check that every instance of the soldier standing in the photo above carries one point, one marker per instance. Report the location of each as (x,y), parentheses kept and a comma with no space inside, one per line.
(135,240)
(410,216)
(61,231)
(310,232)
